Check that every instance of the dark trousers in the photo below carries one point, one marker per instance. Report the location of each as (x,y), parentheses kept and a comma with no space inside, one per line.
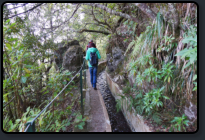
(93,76)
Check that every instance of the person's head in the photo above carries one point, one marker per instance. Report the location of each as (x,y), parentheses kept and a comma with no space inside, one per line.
(91,40)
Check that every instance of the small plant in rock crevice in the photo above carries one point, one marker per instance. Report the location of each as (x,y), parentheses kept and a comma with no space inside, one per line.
(127,89)
(179,123)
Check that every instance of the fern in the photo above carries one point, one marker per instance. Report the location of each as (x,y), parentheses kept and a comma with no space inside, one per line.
(136,44)
(137,47)
(139,109)
(156,118)
(132,43)
(127,89)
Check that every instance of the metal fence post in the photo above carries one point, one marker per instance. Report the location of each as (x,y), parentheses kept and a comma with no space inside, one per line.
(31,127)
(84,74)
(81,91)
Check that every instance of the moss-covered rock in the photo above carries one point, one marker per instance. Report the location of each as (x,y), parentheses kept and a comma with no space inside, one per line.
(69,56)
(72,59)
(115,59)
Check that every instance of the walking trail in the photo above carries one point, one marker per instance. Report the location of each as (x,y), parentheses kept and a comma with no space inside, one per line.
(95,109)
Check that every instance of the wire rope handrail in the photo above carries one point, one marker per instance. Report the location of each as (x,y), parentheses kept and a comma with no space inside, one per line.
(14,96)
(31,123)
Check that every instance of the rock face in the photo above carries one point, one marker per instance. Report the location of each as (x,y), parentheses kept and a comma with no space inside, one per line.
(117,62)
(114,58)
(115,66)
(72,59)
(69,56)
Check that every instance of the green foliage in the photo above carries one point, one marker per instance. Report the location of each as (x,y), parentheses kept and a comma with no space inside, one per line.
(195,83)
(102,43)
(46,122)
(167,71)
(127,89)
(190,52)
(136,45)
(140,63)
(167,45)
(144,70)
(151,73)
(195,86)
(139,103)
(149,104)
(52,123)
(80,122)
(119,102)
(25,71)
(152,100)
(156,117)
(111,5)
(19,123)
(140,79)
(179,123)
(8,125)
(118,105)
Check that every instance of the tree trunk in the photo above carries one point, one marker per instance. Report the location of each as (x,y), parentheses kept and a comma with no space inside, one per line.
(11,114)
(15,114)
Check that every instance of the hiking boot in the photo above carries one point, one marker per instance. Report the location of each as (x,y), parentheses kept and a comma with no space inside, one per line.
(95,88)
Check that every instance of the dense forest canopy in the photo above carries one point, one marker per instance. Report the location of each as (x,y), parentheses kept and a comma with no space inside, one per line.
(156,44)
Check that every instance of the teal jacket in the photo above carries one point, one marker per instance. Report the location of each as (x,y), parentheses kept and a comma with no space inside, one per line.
(87,57)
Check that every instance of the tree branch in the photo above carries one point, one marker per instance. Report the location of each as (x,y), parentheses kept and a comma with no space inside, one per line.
(55,27)
(95,31)
(146,10)
(18,6)
(104,23)
(27,10)
(113,12)
(118,22)
(9,102)
(96,25)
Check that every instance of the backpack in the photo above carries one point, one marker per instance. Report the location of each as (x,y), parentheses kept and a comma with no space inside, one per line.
(93,59)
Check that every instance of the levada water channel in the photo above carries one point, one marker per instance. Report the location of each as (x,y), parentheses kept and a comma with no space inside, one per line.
(117,119)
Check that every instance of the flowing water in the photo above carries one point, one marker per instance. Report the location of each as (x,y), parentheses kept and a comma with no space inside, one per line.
(117,119)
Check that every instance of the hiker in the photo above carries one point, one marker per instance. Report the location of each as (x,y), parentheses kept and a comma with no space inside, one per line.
(88,46)
(92,55)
